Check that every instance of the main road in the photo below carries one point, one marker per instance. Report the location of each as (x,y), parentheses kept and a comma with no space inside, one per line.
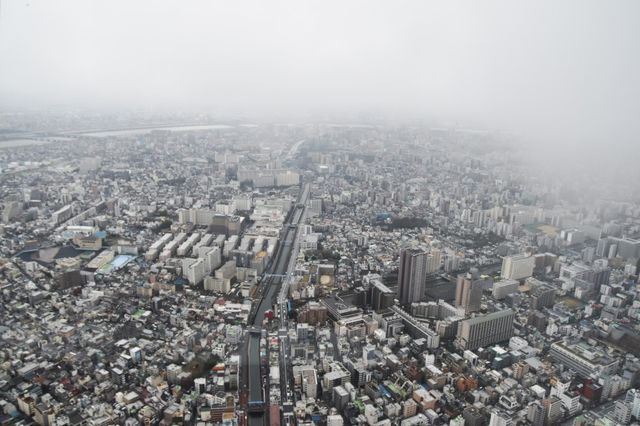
(270,284)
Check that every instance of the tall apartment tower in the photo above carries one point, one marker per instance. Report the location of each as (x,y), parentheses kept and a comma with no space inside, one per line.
(412,275)
(433,261)
(469,293)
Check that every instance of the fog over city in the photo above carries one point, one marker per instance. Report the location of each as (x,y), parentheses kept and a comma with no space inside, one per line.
(562,74)
(319,213)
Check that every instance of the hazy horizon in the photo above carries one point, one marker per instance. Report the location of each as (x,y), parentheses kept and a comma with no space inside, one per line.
(562,75)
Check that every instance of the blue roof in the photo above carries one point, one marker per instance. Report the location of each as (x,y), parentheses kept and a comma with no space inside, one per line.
(180,281)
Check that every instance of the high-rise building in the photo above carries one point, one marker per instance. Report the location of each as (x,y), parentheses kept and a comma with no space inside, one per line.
(381,296)
(368,353)
(411,275)
(537,320)
(409,408)
(12,209)
(200,385)
(535,413)
(571,402)
(485,330)
(622,412)
(633,397)
(195,272)
(434,259)
(542,294)
(340,398)
(452,263)
(337,375)
(553,409)
(603,247)
(517,267)
(212,258)
(627,248)
(469,293)
(136,355)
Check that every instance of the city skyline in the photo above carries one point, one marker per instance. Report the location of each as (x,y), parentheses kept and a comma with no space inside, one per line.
(319,213)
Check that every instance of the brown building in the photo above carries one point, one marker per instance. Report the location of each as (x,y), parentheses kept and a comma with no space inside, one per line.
(313,313)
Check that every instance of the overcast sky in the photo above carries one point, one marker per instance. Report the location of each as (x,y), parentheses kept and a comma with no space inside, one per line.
(564,71)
